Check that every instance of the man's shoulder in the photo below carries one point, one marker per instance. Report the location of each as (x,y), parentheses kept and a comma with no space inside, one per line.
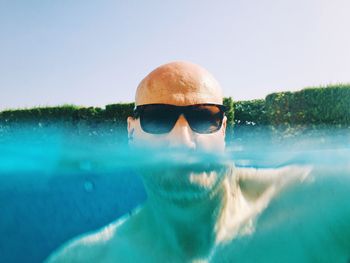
(91,247)
(254,182)
(277,174)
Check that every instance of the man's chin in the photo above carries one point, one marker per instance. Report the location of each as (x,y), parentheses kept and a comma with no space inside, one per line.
(183,185)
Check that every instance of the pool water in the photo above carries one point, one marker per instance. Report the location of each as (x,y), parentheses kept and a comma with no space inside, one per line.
(56,188)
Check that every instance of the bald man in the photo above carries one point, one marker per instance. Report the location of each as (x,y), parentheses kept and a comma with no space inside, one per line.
(188,213)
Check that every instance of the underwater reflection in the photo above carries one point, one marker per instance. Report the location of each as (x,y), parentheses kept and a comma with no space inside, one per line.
(301,214)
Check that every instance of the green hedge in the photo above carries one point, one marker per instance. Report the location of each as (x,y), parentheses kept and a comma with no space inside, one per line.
(118,112)
(310,108)
(251,112)
(64,113)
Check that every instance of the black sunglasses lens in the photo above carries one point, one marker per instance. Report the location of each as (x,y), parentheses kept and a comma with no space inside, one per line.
(205,118)
(158,119)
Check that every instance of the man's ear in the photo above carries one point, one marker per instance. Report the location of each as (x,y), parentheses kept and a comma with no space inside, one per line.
(224,122)
(131,128)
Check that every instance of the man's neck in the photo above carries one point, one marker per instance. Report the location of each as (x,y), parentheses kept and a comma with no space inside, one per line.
(190,228)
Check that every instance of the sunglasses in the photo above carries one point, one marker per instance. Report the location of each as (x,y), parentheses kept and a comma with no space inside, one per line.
(161,118)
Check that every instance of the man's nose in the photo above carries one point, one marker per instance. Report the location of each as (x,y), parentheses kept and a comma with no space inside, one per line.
(181,136)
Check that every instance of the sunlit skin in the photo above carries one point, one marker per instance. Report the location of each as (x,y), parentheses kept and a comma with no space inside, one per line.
(168,227)
(179,84)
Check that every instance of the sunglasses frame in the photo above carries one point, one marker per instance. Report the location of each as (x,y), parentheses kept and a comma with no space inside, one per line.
(181,110)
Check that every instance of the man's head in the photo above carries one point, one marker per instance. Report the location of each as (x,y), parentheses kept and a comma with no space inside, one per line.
(197,126)
(180,84)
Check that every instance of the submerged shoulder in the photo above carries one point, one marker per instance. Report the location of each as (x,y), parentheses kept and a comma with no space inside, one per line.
(288,172)
(91,247)
(255,181)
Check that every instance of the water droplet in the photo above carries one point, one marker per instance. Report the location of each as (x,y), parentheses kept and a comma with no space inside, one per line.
(88,186)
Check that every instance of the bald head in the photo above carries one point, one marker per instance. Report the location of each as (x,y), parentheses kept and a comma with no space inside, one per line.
(179,83)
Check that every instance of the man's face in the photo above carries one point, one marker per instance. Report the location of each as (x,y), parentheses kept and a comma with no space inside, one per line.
(179,84)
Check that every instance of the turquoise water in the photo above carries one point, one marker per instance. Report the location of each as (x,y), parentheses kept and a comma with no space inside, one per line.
(55,187)
(309,223)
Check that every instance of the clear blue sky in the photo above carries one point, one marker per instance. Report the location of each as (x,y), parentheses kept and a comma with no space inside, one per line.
(96,52)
